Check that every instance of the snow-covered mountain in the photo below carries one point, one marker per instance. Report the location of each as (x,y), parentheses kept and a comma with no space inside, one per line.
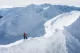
(74,28)
(55,40)
(60,23)
(6,11)
(49,27)
(45,9)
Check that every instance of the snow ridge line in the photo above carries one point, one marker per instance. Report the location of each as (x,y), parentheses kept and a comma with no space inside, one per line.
(15,43)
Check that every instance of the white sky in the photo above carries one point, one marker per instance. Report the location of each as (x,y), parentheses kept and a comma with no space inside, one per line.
(8,3)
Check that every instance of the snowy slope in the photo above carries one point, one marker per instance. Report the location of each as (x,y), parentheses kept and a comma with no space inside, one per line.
(39,45)
(54,36)
(50,11)
(46,8)
(3,10)
(74,28)
(65,19)
(63,22)
(19,21)
(7,11)
(55,40)
(27,19)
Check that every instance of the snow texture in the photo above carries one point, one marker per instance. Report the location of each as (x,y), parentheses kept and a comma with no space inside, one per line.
(49,29)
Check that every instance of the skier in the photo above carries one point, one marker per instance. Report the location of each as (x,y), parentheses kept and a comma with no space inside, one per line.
(25,35)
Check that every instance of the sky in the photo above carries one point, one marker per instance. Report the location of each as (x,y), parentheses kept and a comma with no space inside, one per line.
(13,3)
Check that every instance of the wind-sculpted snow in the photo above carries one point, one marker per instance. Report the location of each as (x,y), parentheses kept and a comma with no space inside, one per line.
(55,40)
(53,44)
(51,38)
(74,28)
(15,24)
(12,44)
(72,43)
(67,22)
(44,9)
(16,21)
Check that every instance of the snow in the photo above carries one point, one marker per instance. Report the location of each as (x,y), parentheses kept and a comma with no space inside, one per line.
(52,35)
(27,19)
(12,44)
(59,23)
(43,45)
(62,20)
(45,8)
(74,28)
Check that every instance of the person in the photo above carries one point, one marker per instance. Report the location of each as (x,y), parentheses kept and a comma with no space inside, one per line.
(25,35)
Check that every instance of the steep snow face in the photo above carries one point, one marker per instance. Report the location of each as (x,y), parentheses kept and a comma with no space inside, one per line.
(53,44)
(17,22)
(55,40)
(74,28)
(49,11)
(63,22)
(46,8)
(72,43)
(28,19)
(5,11)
